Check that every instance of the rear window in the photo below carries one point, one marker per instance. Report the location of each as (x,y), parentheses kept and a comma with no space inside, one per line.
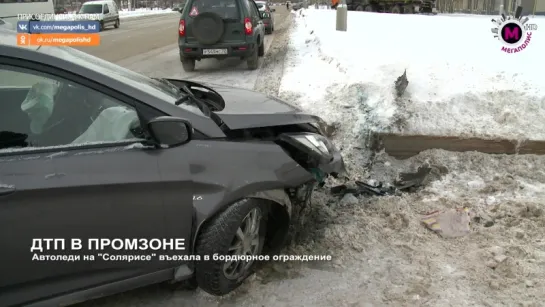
(227,9)
(91,9)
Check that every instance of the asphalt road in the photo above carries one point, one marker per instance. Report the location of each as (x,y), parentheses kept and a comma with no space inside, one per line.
(150,46)
(136,36)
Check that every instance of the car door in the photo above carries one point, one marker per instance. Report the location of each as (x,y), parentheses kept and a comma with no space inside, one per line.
(107,14)
(104,188)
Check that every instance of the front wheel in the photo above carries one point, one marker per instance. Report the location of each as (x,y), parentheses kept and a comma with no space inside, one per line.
(237,231)
(101,26)
(117,23)
(370,8)
(397,10)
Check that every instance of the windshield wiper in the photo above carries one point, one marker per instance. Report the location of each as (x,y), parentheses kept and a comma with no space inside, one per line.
(188,95)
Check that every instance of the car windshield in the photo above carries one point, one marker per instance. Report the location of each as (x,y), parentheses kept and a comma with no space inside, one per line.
(162,90)
(260,5)
(91,9)
(228,9)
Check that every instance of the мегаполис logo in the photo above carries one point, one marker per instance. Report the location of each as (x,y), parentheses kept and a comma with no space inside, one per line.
(514,32)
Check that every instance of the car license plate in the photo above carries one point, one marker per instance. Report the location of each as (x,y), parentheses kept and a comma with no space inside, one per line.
(214,51)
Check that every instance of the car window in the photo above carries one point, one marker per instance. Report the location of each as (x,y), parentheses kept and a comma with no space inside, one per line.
(153,87)
(160,90)
(227,9)
(106,9)
(91,9)
(247,5)
(261,6)
(41,110)
(253,8)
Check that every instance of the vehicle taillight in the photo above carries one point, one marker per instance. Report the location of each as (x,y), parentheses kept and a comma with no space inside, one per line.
(181,28)
(248,26)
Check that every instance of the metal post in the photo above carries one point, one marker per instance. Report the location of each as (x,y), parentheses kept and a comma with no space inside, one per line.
(535,7)
(342,14)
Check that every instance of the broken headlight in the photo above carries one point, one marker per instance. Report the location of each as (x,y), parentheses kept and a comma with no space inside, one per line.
(316,146)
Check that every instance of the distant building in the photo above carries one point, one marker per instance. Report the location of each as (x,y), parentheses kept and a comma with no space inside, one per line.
(493,6)
(529,5)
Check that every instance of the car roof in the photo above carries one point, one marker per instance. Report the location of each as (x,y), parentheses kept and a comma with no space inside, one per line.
(97,2)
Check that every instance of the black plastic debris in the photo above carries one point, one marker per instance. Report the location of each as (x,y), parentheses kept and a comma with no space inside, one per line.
(408,180)
(404,183)
(401,84)
(362,188)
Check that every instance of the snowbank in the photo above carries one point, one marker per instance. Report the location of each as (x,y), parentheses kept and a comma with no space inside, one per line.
(123,14)
(461,83)
(143,12)
(383,255)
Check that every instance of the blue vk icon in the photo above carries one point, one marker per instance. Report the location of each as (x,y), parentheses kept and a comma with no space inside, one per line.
(22,26)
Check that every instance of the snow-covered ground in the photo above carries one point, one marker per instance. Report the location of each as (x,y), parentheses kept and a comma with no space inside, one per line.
(123,14)
(144,12)
(460,81)
(460,84)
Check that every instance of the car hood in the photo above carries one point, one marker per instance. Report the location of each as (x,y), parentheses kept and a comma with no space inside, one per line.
(250,109)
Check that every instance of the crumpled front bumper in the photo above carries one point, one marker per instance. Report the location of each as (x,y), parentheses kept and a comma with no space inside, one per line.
(335,167)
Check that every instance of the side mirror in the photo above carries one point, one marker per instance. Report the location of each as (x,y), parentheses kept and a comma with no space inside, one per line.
(170,131)
(263,15)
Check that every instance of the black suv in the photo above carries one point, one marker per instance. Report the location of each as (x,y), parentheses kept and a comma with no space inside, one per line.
(220,29)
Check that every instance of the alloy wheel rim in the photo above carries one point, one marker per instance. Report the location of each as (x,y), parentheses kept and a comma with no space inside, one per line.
(245,243)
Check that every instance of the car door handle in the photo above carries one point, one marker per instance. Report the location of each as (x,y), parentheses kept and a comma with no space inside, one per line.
(6,189)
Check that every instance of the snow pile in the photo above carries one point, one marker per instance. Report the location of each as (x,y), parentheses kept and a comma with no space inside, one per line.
(143,12)
(383,255)
(125,13)
(461,83)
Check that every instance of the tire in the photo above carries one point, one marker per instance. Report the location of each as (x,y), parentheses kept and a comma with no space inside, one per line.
(208,28)
(101,26)
(117,23)
(369,8)
(188,64)
(408,9)
(253,60)
(261,50)
(358,8)
(219,235)
(396,10)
